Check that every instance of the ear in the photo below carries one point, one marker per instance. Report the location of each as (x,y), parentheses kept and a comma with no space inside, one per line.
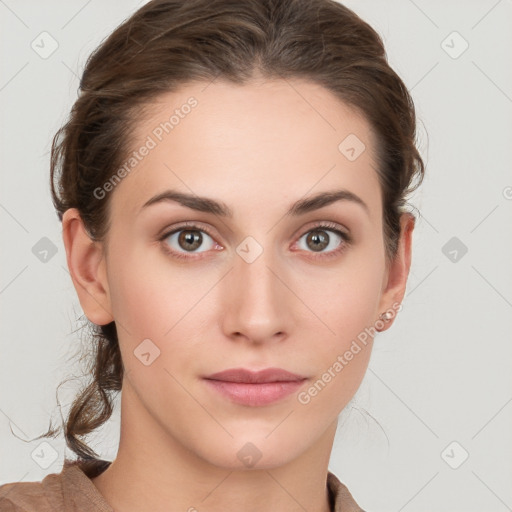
(87,266)
(397,273)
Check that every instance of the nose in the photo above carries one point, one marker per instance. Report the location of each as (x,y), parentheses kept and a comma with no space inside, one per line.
(257,306)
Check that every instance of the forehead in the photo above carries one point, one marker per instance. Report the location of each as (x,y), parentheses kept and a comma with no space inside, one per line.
(271,139)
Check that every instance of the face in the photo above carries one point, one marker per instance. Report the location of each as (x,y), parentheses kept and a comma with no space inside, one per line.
(274,281)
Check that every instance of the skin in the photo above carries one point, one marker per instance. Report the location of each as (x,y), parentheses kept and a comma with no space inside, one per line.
(257,148)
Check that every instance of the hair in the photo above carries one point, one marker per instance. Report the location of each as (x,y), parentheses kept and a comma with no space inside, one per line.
(167,44)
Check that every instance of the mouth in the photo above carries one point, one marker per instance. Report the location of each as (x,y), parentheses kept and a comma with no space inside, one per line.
(245,376)
(255,388)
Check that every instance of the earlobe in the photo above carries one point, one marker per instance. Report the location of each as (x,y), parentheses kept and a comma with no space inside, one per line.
(86,264)
(398,273)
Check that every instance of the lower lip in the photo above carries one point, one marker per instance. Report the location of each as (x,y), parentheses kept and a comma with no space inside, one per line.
(255,394)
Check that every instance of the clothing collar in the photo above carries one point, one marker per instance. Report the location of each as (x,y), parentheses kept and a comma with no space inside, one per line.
(77,484)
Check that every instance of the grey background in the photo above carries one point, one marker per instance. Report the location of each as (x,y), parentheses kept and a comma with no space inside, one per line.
(441,374)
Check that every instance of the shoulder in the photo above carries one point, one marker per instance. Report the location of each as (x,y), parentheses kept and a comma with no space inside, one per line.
(30,496)
(67,490)
(341,498)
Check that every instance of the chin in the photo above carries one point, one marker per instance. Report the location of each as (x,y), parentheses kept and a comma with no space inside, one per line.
(246,452)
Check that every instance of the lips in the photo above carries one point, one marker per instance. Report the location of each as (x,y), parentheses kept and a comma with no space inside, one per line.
(255,388)
(242,375)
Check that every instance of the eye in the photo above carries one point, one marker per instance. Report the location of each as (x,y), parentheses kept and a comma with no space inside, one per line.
(318,239)
(187,239)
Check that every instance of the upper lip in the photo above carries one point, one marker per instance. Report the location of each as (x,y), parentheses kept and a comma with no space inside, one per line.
(250,376)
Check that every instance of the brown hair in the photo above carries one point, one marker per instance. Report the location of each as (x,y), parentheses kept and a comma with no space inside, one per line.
(169,43)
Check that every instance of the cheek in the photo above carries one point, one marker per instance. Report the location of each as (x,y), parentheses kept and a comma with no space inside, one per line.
(136,301)
(157,306)
(153,299)
(346,299)
(346,304)
(341,357)
(143,287)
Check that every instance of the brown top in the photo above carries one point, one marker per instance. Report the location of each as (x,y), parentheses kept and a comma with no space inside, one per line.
(71,490)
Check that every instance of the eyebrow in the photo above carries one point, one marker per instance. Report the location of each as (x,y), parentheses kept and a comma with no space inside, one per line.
(300,207)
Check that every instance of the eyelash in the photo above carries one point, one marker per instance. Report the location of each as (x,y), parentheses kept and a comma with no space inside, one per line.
(327,226)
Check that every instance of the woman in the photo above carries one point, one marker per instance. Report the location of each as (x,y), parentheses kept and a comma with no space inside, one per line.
(232,184)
